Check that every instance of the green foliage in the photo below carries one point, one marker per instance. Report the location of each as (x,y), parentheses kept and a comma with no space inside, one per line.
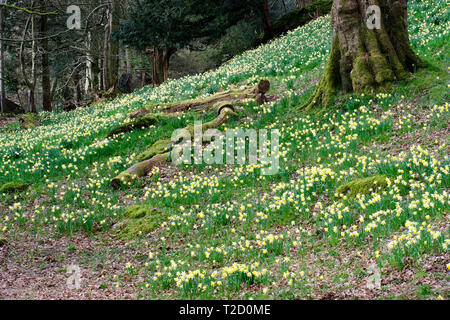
(299,17)
(238,39)
(176,23)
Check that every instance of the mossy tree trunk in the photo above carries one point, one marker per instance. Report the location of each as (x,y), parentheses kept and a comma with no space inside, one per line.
(364,59)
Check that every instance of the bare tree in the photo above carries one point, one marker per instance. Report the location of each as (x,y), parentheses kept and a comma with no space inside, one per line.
(46,86)
(2,73)
(111,47)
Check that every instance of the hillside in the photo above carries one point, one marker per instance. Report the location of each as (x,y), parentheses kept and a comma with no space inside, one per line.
(363,187)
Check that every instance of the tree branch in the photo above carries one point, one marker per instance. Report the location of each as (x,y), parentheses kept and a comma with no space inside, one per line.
(28,10)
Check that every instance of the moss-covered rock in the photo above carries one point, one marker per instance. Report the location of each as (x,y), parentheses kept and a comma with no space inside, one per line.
(139,220)
(12,187)
(362,186)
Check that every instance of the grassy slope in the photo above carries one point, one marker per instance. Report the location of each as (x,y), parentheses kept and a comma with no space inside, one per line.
(230,232)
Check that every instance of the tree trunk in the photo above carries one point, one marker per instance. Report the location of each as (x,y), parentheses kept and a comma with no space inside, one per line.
(160,65)
(77,87)
(364,59)
(111,48)
(31,101)
(2,73)
(46,87)
(89,75)
(266,20)
(143,71)
(303,3)
(235,95)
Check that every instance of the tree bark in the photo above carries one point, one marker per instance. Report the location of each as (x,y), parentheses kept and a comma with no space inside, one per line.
(364,59)
(128,60)
(160,65)
(31,84)
(77,87)
(266,20)
(111,48)
(46,86)
(2,73)
(89,75)
(31,91)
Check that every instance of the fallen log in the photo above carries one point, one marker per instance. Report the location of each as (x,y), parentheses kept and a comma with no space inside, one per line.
(233,95)
(139,169)
(143,122)
(159,152)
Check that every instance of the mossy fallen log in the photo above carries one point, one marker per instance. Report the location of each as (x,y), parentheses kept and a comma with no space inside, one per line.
(233,96)
(139,169)
(159,147)
(142,122)
(159,152)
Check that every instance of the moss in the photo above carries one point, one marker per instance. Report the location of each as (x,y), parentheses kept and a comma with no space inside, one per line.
(30,117)
(139,220)
(136,212)
(159,147)
(378,63)
(12,187)
(326,89)
(123,177)
(29,121)
(142,122)
(362,78)
(3,242)
(362,186)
